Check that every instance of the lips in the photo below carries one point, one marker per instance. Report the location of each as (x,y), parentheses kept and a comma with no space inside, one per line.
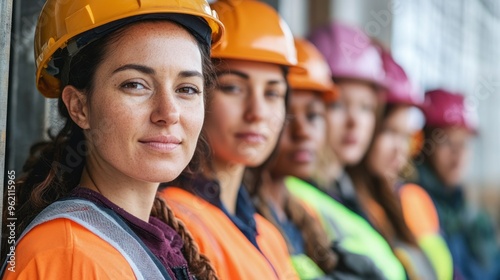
(350,140)
(161,143)
(251,137)
(302,156)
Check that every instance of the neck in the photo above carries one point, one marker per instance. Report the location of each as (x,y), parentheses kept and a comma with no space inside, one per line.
(391,182)
(134,196)
(229,176)
(274,191)
(333,172)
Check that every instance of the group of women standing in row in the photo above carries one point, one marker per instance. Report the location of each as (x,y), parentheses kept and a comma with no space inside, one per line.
(204,141)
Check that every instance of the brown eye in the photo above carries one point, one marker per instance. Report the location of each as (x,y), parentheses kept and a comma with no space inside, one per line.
(231,88)
(188,90)
(133,85)
(274,94)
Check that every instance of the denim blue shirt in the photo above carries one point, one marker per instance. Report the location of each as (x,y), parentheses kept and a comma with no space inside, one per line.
(292,233)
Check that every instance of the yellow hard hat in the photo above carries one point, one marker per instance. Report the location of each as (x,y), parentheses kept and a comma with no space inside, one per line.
(62,20)
(314,73)
(254,32)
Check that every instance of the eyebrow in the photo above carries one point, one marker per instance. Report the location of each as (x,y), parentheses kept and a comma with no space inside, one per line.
(246,76)
(277,82)
(150,71)
(232,72)
(188,74)
(137,67)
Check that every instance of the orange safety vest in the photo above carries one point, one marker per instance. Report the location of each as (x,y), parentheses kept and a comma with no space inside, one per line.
(67,251)
(59,244)
(419,211)
(421,217)
(232,255)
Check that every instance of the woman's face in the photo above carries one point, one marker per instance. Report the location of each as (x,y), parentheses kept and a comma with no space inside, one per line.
(351,121)
(451,155)
(146,108)
(246,111)
(391,147)
(303,137)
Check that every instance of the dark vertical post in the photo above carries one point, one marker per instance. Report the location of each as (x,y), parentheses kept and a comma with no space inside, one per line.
(5,33)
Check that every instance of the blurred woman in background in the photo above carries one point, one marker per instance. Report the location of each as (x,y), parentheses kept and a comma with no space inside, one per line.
(468,231)
(402,213)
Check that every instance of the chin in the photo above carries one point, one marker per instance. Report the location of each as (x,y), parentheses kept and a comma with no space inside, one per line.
(302,174)
(162,174)
(251,159)
(252,163)
(351,159)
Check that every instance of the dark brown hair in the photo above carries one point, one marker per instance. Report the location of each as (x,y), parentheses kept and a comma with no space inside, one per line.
(316,242)
(378,189)
(52,172)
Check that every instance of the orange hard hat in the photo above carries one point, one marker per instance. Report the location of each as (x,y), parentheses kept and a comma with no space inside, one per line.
(314,73)
(254,32)
(62,23)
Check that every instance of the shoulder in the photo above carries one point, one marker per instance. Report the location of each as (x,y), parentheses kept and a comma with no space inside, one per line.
(188,207)
(204,221)
(62,248)
(269,236)
(419,210)
(412,194)
(274,247)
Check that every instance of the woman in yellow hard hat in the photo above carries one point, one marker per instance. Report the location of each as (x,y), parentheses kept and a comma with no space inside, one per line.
(131,78)
(244,119)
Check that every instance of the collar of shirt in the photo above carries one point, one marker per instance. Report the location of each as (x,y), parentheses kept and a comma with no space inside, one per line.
(163,241)
(243,218)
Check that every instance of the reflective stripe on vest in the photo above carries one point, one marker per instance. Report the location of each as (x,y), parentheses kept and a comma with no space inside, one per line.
(306,268)
(111,229)
(351,231)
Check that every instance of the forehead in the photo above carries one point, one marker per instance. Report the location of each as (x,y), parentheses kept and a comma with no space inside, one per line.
(352,90)
(304,98)
(252,69)
(157,42)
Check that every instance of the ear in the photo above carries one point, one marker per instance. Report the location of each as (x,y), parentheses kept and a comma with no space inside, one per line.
(76,103)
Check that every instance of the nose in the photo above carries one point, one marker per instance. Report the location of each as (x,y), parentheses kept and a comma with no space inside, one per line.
(350,117)
(255,107)
(298,128)
(165,109)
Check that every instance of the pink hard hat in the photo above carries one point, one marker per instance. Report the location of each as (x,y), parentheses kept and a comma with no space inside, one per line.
(400,90)
(350,53)
(445,109)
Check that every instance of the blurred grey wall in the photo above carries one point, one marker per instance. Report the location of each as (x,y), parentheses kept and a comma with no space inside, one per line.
(26,111)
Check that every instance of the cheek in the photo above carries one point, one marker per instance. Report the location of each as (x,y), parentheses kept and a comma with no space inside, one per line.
(379,152)
(275,122)
(277,117)
(116,119)
(367,121)
(193,121)
(319,133)
(442,156)
(334,124)
(366,127)
(218,116)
